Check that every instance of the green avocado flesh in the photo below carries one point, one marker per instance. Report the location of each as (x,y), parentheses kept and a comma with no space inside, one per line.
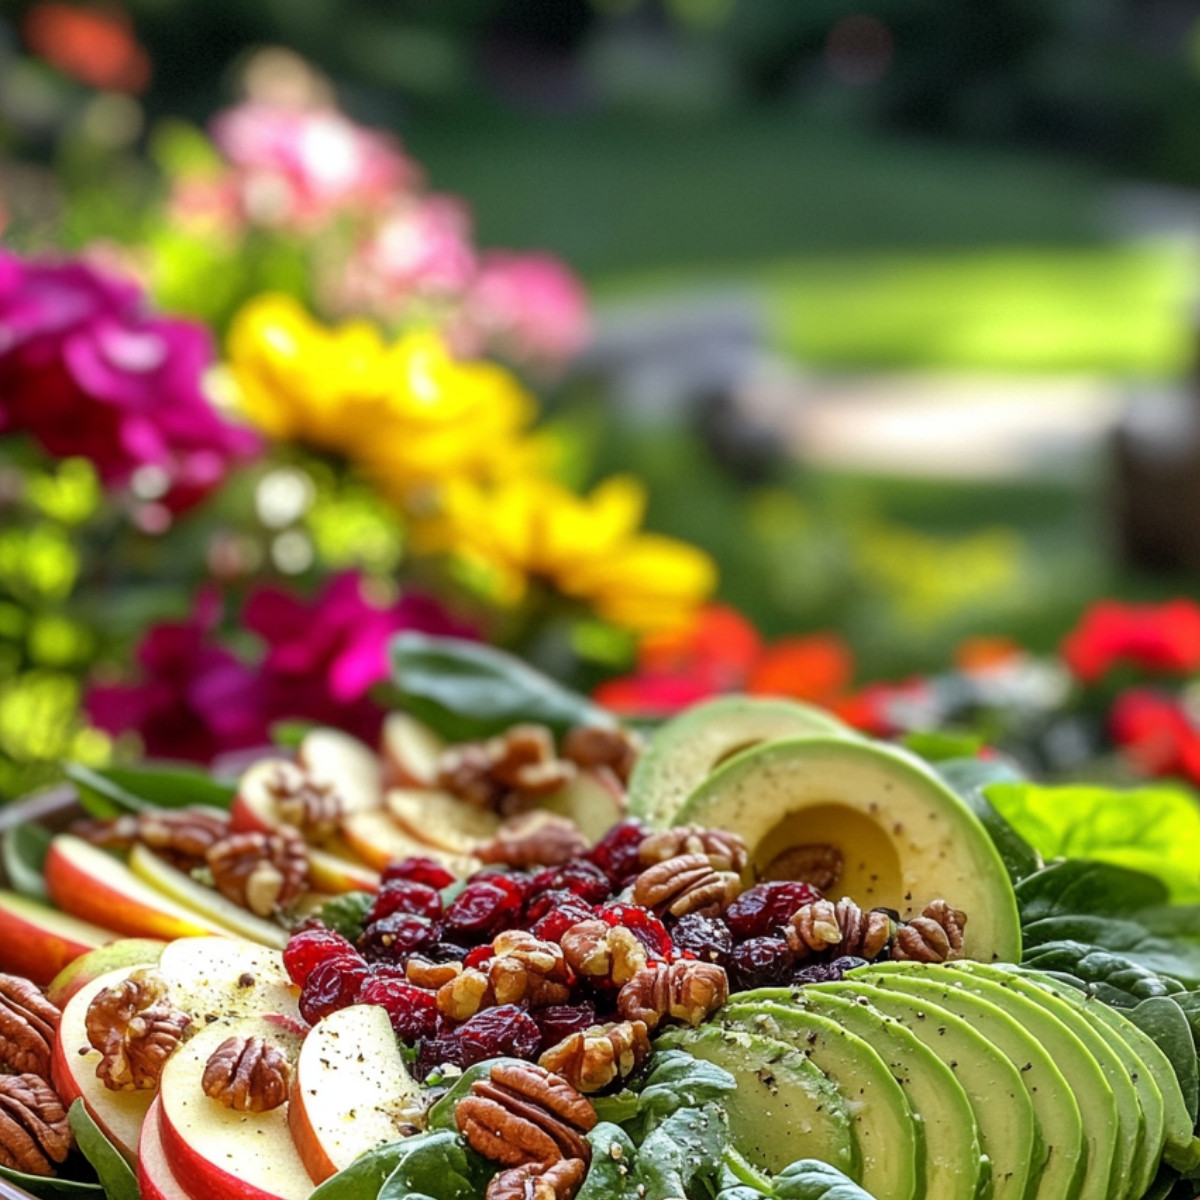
(685,750)
(784,1108)
(904,838)
(1008,1129)
(1139,1101)
(889,1140)
(1061,1076)
(952,1164)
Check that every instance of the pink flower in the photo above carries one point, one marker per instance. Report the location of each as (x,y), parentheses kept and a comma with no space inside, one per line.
(530,307)
(87,371)
(1155,637)
(297,168)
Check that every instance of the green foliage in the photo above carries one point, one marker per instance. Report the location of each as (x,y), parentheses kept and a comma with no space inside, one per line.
(345,914)
(114,1173)
(24,851)
(110,791)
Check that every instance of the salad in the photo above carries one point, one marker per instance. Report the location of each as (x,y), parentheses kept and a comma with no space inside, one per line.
(521,952)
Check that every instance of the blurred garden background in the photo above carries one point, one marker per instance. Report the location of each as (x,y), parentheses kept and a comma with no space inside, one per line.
(836,350)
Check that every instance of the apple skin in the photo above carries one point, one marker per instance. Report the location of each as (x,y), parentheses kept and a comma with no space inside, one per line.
(410,752)
(38,942)
(223,1154)
(156,1180)
(94,886)
(124,952)
(349,1090)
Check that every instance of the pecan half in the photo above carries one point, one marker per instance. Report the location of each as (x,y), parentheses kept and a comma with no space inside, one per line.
(539,1181)
(305,803)
(686,884)
(935,936)
(264,872)
(591,1059)
(599,951)
(28,1022)
(821,926)
(536,838)
(683,991)
(725,851)
(247,1075)
(34,1134)
(525,1114)
(816,863)
(611,746)
(136,1029)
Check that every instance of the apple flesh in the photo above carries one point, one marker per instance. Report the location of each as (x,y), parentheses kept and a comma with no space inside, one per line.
(156,1180)
(351,1090)
(379,840)
(125,952)
(347,765)
(223,1154)
(216,977)
(38,942)
(410,752)
(441,820)
(594,800)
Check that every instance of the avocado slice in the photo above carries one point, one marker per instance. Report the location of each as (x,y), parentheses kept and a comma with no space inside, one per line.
(889,1140)
(954,1168)
(1139,1101)
(686,749)
(784,1107)
(1082,1157)
(1008,1129)
(904,837)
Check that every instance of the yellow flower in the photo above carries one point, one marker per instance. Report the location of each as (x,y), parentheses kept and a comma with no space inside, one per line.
(588,548)
(408,413)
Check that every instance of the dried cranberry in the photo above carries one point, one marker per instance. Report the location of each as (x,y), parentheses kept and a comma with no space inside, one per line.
(643,924)
(419,870)
(829,972)
(705,938)
(331,985)
(305,950)
(616,853)
(413,1010)
(557,1021)
(583,878)
(762,910)
(504,1030)
(406,895)
(444,952)
(521,879)
(569,910)
(484,908)
(393,938)
(759,962)
(478,955)
(545,903)
(434,1052)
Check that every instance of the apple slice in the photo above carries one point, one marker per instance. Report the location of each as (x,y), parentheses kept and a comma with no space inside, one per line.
(124,952)
(38,942)
(594,800)
(410,752)
(349,766)
(441,820)
(223,1154)
(336,873)
(73,1071)
(205,901)
(216,977)
(156,1180)
(379,840)
(94,886)
(351,1091)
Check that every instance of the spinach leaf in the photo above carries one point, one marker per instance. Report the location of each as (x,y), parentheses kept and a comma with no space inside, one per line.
(24,852)
(363,1178)
(1164,1021)
(441,1115)
(1111,977)
(1079,886)
(809,1179)
(677,1081)
(439,1165)
(611,1175)
(344,914)
(53,1188)
(464,690)
(115,1175)
(1175,959)
(689,1143)
(110,791)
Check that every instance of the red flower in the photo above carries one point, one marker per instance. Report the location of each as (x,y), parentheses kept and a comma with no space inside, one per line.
(1155,734)
(97,46)
(877,708)
(815,668)
(1155,637)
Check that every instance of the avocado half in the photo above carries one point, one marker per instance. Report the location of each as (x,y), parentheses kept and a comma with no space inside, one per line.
(687,749)
(904,838)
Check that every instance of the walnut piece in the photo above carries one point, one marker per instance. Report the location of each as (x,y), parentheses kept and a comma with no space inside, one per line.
(34,1134)
(507,773)
(611,746)
(525,1114)
(523,969)
(814,927)
(935,936)
(536,838)
(247,1075)
(28,1022)
(591,1059)
(305,803)
(264,872)
(844,928)
(136,1029)
(599,951)
(182,836)
(686,884)
(682,991)
(539,1181)
(725,851)
(430,975)
(464,995)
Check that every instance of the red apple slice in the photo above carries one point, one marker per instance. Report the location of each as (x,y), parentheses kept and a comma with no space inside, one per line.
(94,886)
(329,872)
(441,820)
(124,952)
(156,1180)
(349,766)
(351,1091)
(38,942)
(410,752)
(216,977)
(220,1153)
(379,840)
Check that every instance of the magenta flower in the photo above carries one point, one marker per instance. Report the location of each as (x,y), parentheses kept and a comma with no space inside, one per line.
(87,371)
(298,168)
